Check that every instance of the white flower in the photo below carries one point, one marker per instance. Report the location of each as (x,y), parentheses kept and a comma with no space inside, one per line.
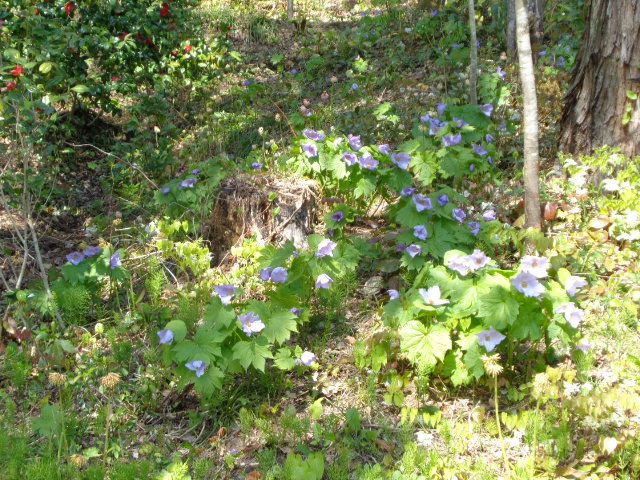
(571,389)
(433,297)
(610,185)
(536,266)
(572,314)
(573,284)
(528,285)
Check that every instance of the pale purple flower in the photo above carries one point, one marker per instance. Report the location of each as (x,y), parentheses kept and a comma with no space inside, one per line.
(542,53)
(420,232)
(197,366)
(489,138)
(433,297)
(393,294)
(350,159)
(354,87)
(279,275)
(422,202)
(165,190)
(433,13)
(165,337)
(401,160)
(528,285)
(574,283)
(338,216)
(572,314)
(407,191)
(435,126)
(384,149)
(536,266)
(256,165)
(477,260)
(247,83)
(489,215)
(368,162)
(265,274)
(296,311)
(310,150)
(502,127)
(251,323)
(561,62)
(293,71)
(401,248)
(307,358)
(490,339)
(225,292)
(324,281)
(474,227)
(584,346)
(414,250)
(114,261)
(459,214)
(313,135)
(501,73)
(472,167)
(441,108)
(75,257)
(487,109)
(426,118)
(451,140)
(325,248)
(354,142)
(479,150)
(460,122)
(490,160)
(459,264)
(195,172)
(92,251)
(188,183)
(456,46)
(443,200)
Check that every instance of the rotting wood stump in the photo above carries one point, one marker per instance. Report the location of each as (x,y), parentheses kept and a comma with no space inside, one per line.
(272,209)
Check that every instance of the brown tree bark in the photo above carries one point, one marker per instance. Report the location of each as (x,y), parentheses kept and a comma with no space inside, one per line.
(511,28)
(607,67)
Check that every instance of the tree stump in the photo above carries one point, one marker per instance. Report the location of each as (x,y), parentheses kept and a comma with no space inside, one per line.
(272,209)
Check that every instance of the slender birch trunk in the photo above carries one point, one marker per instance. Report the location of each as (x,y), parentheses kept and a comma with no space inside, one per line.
(473,68)
(511,29)
(530,117)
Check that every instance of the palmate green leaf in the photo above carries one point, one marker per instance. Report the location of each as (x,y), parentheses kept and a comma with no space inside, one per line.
(284,359)
(252,353)
(49,422)
(425,167)
(455,369)
(178,328)
(472,359)
(204,346)
(364,188)
(424,345)
(498,307)
(210,382)
(218,314)
(279,326)
(409,217)
(334,164)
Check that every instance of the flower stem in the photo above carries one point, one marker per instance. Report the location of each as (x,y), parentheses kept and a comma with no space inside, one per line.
(497,408)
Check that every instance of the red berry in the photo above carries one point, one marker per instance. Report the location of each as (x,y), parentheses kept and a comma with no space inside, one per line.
(69,7)
(18,71)
(164,10)
(188,48)
(11,86)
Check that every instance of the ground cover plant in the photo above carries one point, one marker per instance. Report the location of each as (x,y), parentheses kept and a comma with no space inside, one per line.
(241,242)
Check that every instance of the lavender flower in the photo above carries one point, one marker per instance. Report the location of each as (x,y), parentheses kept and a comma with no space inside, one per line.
(247,83)
(433,13)
(441,108)
(197,366)
(307,358)
(474,227)
(572,314)
(460,122)
(310,150)
(584,346)
(426,118)
(296,311)
(487,109)
(313,135)
(435,126)
(479,150)
(75,258)
(443,200)
(536,266)
(433,297)
(279,275)
(573,284)
(489,138)
(325,248)
(393,294)
(92,251)
(165,190)
(401,160)
(477,260)
(459,264)
(472,167)
(384,149)
(528,285)
(324,281)
(354,142)
(195,172)
(114,261)
(265,274)
(490,160)
(338,216)
(451,140)
(256,165)
(490,339)
(225,292)
(401,248)
(354,87)
(350,159)
(459,214)
(420,232)
(422,202)
(188,183)
(407,191)
(414,250)
(165,337)
(501,73)
(251,323)
(489,215)
(368,162)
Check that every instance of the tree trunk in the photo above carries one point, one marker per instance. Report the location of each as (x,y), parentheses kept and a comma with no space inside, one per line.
(530,118)
(607,67)
(511,29)
(290,9)
(473,68)
(536,25)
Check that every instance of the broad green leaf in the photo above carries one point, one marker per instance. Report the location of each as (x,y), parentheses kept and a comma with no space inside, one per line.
(424,345)
(498,307)
(279,326)
(210,382)
(284,359)
(45,67)
(80,89)
(252,353)
(178,328)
